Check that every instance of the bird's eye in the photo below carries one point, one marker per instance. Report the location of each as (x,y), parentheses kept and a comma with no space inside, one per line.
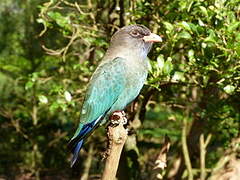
(135,33)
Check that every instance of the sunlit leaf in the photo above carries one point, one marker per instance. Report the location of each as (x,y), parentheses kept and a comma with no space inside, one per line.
(178,76)
(184,35)
(67,96)
(168,26)
(29,85)
(211,37)
(204,10)
(160,61)
(186,26)
(229,89)
(43,99)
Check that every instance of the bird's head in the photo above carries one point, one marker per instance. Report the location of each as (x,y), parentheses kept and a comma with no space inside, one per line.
(134,38)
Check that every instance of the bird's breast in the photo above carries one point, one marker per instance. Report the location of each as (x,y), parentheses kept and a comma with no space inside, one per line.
(136,75)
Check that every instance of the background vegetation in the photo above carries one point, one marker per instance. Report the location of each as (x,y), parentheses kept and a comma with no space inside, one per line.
(50,48)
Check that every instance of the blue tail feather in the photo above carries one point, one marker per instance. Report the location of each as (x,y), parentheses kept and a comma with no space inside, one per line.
(76,152)
(86,129)
(76,143)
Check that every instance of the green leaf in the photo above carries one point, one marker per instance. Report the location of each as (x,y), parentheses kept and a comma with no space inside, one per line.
(54,106)
(178,76)
(62,21)
(29,85)
(160,61)
(211,37)
(233,26)
(168,26)
(200,22)
(229,89)
(204,45)
(191,56)
(237,48)
(43,99)
(67,96)
(184,35)
(12,68)
(186,26)
(168,66)
(191,53)
(40,20)
(204,10)
(194,28)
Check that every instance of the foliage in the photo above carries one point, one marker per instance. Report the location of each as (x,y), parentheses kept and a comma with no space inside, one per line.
(49,49)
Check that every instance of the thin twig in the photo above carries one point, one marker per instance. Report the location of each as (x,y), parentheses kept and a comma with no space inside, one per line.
(202,157)
(203,146)
(185,150)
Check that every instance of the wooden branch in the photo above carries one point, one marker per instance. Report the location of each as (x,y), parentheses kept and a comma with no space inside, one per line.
(87,164)
(202,157)
(185,150)
(117,137)
(228,165)
(161,161)
(203,146)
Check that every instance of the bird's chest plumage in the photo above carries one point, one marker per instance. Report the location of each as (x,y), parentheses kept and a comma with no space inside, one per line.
(135,75)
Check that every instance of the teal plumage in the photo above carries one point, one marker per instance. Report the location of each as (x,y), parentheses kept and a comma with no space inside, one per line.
(116,82)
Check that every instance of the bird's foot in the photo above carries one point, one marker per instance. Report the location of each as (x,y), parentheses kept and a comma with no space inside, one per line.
(118,117)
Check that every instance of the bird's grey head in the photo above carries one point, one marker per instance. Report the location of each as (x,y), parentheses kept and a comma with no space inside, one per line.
(134,39)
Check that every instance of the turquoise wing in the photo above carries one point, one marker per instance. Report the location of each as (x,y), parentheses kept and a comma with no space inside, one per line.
(104,88)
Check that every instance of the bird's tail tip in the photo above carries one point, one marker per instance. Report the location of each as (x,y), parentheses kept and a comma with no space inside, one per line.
(75,152)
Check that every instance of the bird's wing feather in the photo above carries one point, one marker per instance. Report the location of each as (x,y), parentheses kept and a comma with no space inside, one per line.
(105,86)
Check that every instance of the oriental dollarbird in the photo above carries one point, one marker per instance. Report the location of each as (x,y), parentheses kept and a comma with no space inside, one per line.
(116,82)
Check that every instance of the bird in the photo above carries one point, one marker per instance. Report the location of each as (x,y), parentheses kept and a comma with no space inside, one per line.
(116,82)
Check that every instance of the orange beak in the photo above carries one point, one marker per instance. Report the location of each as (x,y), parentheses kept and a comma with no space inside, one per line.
(152,38)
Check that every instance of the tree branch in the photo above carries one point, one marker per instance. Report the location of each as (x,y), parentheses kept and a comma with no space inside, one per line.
(87,164)
(161,161)
(117,137)
(203,146)
(185,150)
